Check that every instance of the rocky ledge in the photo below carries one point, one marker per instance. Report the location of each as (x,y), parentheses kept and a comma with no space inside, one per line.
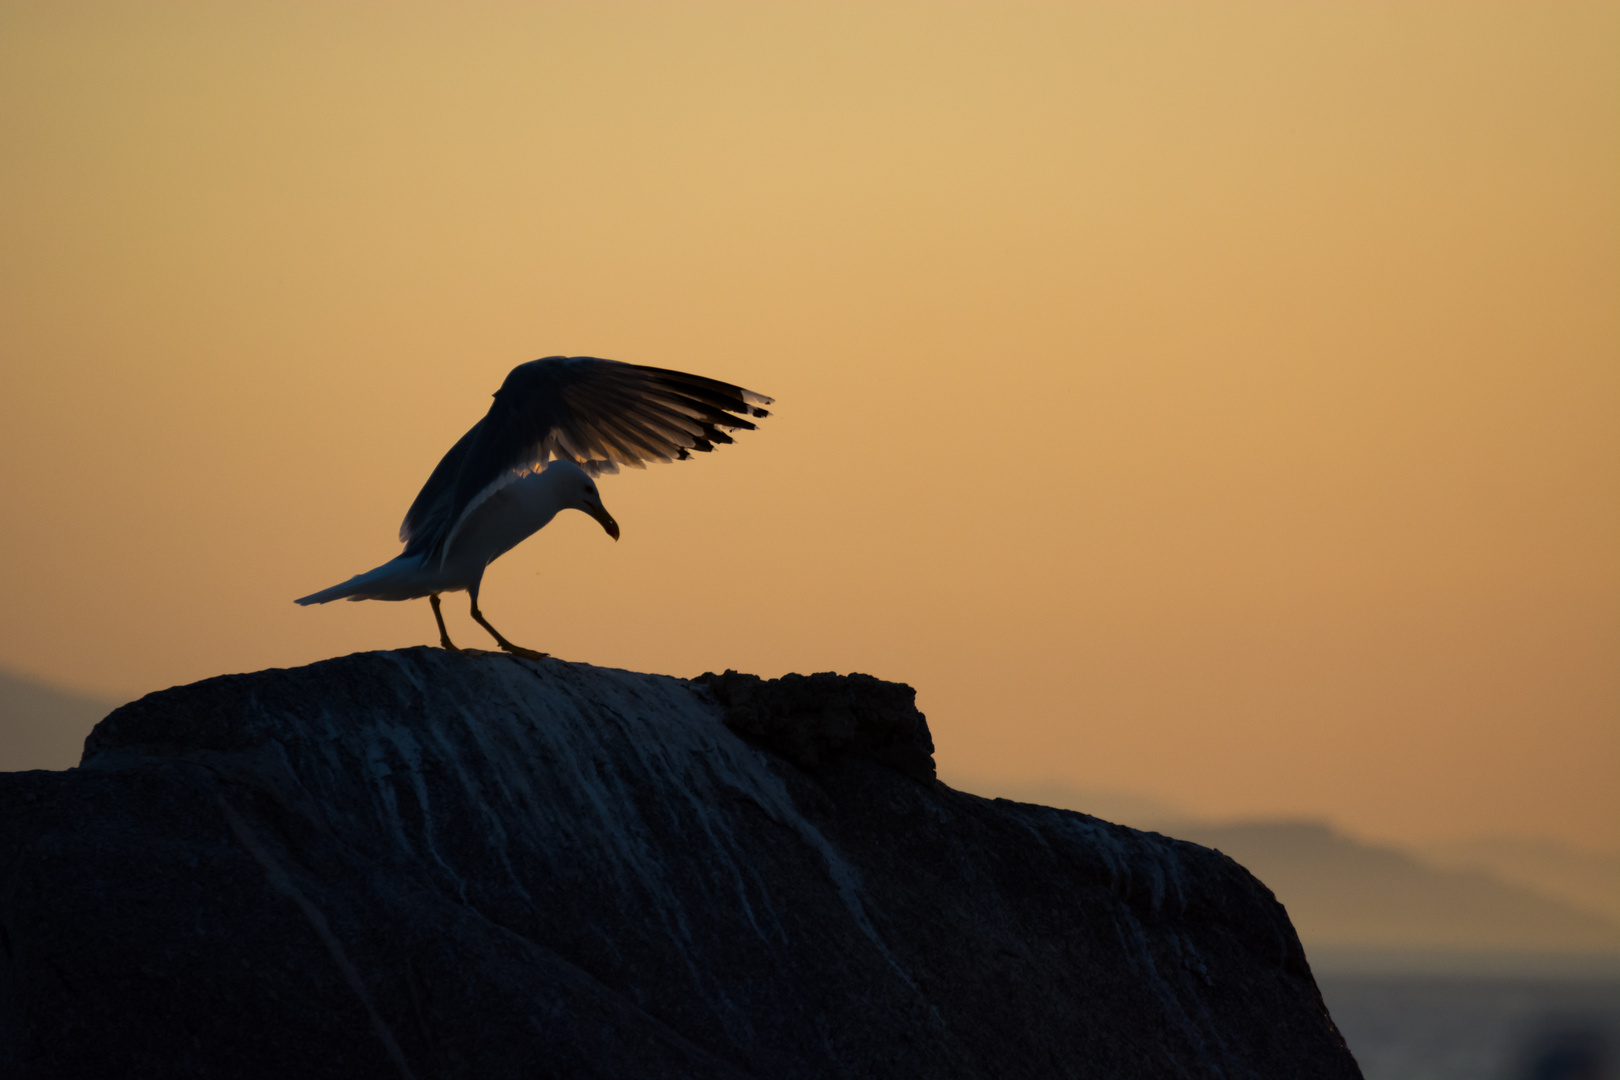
(416,864)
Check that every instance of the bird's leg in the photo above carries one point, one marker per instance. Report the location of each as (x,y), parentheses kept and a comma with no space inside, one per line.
(444,635)
(515,650)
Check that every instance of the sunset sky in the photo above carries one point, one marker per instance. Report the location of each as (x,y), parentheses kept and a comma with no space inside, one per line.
(1219,402)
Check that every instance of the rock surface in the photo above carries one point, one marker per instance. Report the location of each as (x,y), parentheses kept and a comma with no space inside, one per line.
(415,864)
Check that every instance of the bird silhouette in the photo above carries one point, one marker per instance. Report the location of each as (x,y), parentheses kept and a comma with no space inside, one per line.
(556,424)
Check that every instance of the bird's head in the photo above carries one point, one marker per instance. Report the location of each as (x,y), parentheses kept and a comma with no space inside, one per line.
(579,492)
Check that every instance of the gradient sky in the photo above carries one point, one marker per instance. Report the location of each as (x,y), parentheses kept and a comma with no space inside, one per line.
(1217,402)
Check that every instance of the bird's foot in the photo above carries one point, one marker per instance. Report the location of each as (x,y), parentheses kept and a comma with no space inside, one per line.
(527,654)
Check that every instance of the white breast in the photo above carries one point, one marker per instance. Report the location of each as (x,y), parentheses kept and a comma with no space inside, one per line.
(502,520)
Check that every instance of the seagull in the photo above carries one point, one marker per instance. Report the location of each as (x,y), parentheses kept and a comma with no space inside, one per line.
(557,423)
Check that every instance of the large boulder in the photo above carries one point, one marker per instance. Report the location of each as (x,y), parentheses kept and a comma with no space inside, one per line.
(418,864)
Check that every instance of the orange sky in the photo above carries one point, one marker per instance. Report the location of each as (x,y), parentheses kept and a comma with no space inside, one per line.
(1220,402)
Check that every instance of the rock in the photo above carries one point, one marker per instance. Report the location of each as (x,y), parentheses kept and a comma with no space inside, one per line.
(416,864)
(809,719)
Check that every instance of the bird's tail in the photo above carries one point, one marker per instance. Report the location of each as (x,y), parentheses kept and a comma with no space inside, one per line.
(397,579)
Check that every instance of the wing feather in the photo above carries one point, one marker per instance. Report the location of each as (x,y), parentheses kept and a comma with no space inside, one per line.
(430,513)
(600,413)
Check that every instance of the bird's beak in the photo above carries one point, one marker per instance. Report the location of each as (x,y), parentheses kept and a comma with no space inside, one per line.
(605,519)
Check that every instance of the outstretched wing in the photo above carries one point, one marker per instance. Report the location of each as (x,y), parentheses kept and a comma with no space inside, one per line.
(599,413)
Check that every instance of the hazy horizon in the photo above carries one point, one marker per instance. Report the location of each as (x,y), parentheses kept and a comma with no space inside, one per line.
(1212,403)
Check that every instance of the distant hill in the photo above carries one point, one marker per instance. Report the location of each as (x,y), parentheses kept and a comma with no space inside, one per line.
(1341,893)
(1346,896)
(1586,879)
(42,727)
